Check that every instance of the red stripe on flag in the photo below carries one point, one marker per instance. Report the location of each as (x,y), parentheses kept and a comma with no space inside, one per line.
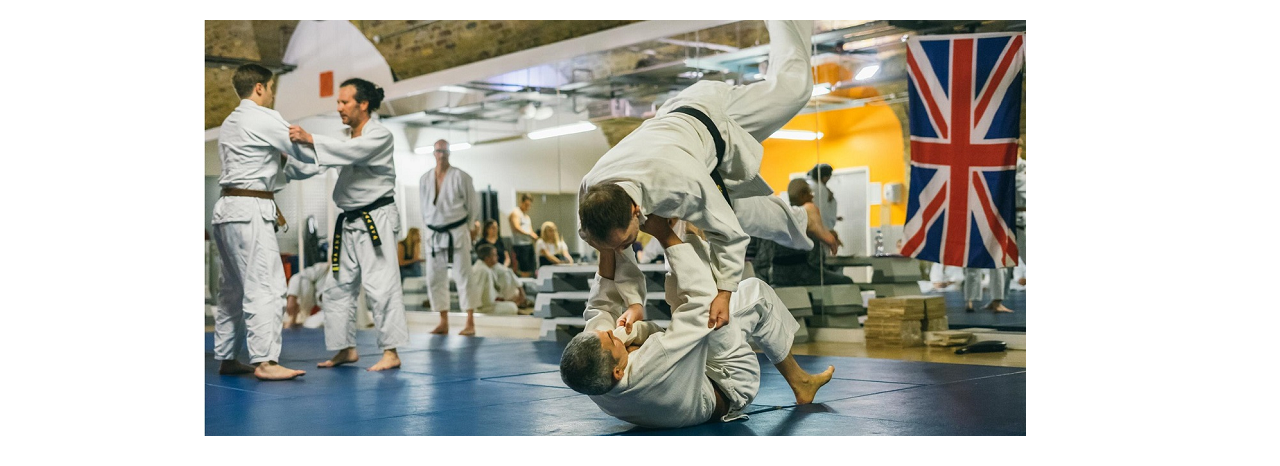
(927,219)
(994,82)
(995,223)
(923,87)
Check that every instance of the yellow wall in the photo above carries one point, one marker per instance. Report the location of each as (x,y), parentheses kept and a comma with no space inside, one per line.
(869,136)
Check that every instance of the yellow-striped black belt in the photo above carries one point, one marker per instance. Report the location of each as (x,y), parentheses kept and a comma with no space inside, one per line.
(363,213)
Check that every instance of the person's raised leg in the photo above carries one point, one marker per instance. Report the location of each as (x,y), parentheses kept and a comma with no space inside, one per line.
(763,107)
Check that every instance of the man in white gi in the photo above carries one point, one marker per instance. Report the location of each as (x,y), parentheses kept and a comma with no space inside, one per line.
(449,204)
(494,288)
(306,292)
(702,149)
(688,374)
(251,142)
(361,255)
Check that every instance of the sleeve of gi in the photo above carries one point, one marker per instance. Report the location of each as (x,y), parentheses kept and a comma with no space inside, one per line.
(628,279)
(336,152)
(728,241)
(696,289)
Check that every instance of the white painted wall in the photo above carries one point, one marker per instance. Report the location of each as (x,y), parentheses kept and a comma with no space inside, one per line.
(319,46)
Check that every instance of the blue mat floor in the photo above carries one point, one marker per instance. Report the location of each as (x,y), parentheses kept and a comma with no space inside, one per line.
(452,385)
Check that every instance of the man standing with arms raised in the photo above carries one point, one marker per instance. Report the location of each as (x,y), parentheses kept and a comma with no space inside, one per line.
(449,205)
(364,249)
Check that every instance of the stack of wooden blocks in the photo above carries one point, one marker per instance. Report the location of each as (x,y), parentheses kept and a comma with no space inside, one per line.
(901,321)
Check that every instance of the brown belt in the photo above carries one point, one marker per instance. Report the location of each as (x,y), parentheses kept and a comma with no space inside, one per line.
(237,192)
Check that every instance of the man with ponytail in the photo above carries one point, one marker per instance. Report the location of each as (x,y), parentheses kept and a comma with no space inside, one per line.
(364,246)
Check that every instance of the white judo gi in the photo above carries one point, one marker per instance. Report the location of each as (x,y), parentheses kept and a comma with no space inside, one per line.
(668,380)
(367,174)
(308,286)
(665,164)
(251,283)
(488,284)
(455,202)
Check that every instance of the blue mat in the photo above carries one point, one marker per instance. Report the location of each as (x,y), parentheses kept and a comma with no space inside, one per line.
(452,385)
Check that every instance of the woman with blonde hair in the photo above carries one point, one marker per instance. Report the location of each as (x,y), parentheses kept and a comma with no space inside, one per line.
(410,250)
(551,247)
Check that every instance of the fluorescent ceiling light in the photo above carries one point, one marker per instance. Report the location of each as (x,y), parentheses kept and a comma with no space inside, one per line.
(821,89)
(459,146)
(561,130)
(866,73)
(424,150)
(796,135)
(457,89)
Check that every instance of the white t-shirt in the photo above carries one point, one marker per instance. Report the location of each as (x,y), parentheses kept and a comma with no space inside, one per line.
(560,248)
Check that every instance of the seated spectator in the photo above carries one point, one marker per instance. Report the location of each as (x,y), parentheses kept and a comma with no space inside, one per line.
(650,250)
(410,250)
(795,267)
(946,277)
(494,288)
(490,237)
(551,247)
(304,294)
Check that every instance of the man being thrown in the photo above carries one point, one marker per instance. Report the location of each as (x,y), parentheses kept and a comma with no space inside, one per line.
(690,373)
(702,149)
(449,204)
(364,246)
(252,286)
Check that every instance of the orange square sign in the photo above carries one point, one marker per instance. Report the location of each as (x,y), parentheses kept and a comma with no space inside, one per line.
(326,84)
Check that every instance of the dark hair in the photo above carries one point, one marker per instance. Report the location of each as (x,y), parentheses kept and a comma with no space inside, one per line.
(366,92)
(795,189)
(246,76)
(820,171)
(585,366)
(526,197)
(485,250)
(488,222)
(605,207)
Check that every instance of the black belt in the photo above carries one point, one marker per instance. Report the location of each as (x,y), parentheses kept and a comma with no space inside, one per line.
(368,224)
(445,229)
(715,136)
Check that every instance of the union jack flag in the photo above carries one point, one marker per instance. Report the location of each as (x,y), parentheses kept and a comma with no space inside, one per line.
(965,96)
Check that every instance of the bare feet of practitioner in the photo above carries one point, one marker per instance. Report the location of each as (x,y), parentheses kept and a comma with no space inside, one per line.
(390,360)
(344,356)
(803,384)
(470,328)
(998,306)
(233,367)
(270,370)
(443,328)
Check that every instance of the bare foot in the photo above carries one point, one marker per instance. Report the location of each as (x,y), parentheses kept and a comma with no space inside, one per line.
(441,329)
(233,367)
(343,357)
(271,371)
(998,307)
(390,360)
(807,389)
(470,328)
